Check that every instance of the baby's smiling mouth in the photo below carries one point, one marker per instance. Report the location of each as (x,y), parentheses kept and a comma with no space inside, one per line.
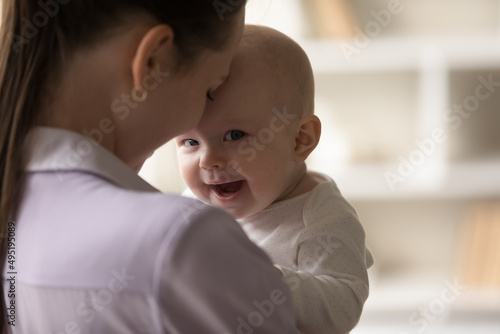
(226,190)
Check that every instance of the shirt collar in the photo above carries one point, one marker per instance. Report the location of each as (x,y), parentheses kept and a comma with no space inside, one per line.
(59,150)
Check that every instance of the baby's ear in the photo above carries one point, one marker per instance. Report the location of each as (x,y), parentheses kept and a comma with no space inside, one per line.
(307,136)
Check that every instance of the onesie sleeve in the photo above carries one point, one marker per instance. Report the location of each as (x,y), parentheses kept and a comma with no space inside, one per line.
(217,281)
(331,284)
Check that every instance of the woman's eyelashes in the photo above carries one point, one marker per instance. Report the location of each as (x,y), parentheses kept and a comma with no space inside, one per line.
(234,135)
(209,95)
(190,142)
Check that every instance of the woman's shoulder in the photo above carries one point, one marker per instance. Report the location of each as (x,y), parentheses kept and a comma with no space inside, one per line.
(83,227)
(164,211)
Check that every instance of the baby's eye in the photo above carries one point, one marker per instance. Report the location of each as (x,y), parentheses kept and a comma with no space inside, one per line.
(234,135)
(190,142)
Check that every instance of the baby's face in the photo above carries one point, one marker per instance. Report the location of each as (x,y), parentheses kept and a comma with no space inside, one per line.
(241,155)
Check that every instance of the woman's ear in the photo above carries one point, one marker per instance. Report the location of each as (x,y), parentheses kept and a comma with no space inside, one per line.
(153,53)
(307,136)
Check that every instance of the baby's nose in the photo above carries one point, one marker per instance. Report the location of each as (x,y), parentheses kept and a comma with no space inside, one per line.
(212,158)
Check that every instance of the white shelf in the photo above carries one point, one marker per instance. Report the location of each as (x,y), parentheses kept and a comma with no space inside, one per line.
(476,179)
(392,304)
(393,54)
(431,60)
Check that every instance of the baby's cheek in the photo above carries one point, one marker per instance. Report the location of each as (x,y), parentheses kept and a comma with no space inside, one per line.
(194,182)
(184,172)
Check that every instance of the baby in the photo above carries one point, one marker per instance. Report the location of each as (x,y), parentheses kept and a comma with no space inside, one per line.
(247,156)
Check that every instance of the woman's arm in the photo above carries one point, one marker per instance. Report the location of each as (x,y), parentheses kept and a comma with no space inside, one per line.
(218,281)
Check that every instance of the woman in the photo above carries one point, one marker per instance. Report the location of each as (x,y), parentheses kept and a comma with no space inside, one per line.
(88,90)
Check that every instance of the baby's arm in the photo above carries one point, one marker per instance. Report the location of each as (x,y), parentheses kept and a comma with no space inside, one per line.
(331,283)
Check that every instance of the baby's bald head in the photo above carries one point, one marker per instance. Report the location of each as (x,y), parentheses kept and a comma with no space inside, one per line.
(250,147)
(286,64)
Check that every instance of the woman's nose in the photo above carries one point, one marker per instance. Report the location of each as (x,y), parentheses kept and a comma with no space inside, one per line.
(211,158)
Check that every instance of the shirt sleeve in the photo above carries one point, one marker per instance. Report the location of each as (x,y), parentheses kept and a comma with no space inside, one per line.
(217,281)
(331,284)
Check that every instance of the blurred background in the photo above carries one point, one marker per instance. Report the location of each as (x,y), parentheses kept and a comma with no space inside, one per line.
(409,96)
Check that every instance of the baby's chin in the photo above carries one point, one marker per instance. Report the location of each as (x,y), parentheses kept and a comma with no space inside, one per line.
(239,215)
(236,212)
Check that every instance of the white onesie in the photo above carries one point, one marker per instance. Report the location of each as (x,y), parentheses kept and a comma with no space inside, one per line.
(318,243)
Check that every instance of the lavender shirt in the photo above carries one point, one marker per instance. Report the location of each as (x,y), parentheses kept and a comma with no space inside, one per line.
(99,250)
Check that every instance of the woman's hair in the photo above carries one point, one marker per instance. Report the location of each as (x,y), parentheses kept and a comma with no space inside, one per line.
(38,37)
